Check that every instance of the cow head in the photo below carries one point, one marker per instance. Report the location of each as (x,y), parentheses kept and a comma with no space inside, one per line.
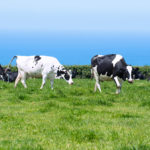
(129,74)
(126,73)
(66,75)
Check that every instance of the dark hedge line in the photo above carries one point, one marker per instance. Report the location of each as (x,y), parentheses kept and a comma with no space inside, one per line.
(84,71)
(81,71)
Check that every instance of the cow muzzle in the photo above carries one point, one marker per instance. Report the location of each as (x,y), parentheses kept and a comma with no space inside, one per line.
(130,81)
(70,83)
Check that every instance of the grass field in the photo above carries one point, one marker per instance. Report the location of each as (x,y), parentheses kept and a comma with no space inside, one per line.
(74,117)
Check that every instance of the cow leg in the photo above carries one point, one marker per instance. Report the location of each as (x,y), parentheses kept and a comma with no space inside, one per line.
(97,85)
(118,84)
(1,76)
(121,81)
(44,77)
(52,83)
(96,76)
(23,80)
(17,79)
(52,77)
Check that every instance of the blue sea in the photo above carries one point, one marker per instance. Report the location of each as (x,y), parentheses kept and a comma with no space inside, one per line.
(76,47)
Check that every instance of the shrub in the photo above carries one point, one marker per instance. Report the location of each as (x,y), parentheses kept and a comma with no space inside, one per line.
(84,71)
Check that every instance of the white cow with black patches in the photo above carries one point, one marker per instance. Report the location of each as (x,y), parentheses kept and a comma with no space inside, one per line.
(111,67)
(36,66)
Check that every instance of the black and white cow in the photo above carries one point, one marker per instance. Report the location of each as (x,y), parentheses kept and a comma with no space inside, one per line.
(3,75)
(11,76)
(137,74)
(108,67)
(7,75)
(36,66)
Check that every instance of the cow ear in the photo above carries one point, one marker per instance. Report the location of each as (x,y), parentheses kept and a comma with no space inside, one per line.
(59,72)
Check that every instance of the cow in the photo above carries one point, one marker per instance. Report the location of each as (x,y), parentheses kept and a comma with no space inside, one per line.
(36,66)
(7,75)
(111,67)
(3,75)
(11,76)
(138,75)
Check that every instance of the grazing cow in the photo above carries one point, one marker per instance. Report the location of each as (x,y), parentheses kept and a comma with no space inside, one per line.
(11,76)
(35,66)
(7,75)
(110,67)
(3,75)
(138,75)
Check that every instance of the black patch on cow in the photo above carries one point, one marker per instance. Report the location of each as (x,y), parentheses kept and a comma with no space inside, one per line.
(36,59)
(60,72)
(121,73)
(63,72)
(120,70)
(104,64)
(102,59)
(67,76)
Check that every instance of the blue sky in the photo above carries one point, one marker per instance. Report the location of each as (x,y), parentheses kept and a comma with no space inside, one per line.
(47,15)
(74,31)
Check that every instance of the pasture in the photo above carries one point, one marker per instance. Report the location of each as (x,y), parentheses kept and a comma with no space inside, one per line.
(73,117)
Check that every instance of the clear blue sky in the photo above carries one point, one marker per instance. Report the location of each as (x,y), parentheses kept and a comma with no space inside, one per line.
(74,31)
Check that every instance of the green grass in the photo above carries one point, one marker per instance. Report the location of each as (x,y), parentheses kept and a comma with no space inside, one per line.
(74,117)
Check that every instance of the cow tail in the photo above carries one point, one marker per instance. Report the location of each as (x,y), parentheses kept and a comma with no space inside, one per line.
(10,63)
